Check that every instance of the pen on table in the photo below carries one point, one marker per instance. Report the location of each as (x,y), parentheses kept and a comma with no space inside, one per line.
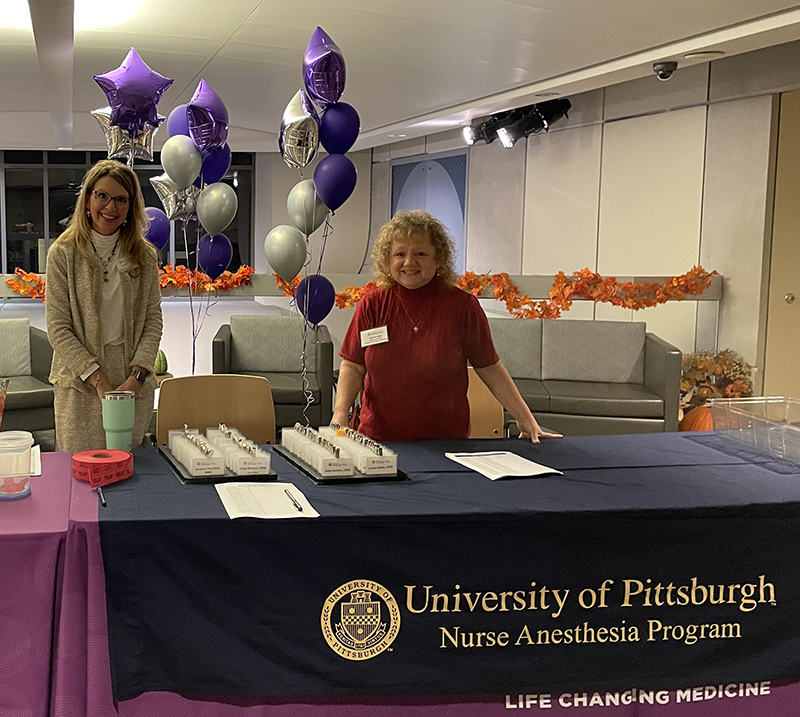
(99,491)
(296,505)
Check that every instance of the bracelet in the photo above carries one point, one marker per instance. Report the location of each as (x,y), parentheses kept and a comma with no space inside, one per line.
(97,382)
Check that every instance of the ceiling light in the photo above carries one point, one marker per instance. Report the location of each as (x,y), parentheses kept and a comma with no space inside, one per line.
(16,15)
(89,14)
(703,55)
(506,138)
(547,94)
(513,125)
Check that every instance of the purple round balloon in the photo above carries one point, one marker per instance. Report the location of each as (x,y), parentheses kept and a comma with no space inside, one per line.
(335,179)
(178,121)
(216,163)
(314,297)
(208,118)
(323,69)
(158,229)
(338,128)
(214,254)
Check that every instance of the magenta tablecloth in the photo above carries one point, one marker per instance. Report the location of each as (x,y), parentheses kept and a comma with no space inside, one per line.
(82,681)
(33,531)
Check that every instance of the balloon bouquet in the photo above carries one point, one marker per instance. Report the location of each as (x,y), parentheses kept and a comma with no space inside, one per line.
(195,158)
(310,202)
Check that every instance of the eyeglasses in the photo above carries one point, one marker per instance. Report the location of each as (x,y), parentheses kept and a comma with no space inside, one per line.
(121,202)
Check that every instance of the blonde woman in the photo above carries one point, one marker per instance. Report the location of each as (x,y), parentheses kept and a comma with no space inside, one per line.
(410,339)
(103,308)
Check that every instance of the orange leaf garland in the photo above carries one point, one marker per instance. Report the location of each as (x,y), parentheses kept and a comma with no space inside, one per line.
(28,284)
(180,277)
(583,284)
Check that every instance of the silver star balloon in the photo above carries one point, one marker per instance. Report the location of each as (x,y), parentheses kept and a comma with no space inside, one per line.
(119,141)
(178,203)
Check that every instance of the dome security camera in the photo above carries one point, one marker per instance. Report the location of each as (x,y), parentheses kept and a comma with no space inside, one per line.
(664,70)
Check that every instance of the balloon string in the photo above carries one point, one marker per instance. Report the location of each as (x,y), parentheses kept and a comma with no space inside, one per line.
(191,302)
(326,232)
(306,384)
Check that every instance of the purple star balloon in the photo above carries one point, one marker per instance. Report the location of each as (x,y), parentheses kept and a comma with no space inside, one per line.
(207,117)
(133,91)
(323,69)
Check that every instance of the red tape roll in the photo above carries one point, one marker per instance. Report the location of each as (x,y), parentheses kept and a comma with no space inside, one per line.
(102,467)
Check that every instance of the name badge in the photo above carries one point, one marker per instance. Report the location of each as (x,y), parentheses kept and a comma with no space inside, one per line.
(370,337)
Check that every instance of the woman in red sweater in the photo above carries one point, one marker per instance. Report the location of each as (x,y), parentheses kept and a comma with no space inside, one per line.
(409,342)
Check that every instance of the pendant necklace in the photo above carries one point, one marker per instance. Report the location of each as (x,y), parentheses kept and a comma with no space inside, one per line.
(414,324)
(106,262)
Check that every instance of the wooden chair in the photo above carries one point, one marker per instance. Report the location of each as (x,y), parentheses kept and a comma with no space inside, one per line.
(243,402)
(485,411)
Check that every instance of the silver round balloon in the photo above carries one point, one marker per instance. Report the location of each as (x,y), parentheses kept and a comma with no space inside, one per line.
(178,203)
(299,136)
(181,160)
(216,207)
(286,251)
(306,210)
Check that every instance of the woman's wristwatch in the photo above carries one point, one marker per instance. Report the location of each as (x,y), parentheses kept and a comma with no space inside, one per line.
(140,376)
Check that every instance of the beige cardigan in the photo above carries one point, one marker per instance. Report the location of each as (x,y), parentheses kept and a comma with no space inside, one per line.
(74,296)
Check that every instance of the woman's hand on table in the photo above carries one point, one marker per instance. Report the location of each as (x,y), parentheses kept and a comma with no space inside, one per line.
(529,428)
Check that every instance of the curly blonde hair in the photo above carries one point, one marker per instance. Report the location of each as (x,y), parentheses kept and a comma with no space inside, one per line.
(131,234)
(409,223)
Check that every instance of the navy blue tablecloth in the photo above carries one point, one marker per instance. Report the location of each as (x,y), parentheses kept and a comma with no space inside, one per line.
(601,578)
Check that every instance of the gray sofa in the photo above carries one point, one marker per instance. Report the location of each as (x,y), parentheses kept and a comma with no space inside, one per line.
(271,346)
(25,358)
(592,377)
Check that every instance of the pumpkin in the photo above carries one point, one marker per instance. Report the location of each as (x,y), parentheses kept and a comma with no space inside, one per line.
(698,419)
(161,363)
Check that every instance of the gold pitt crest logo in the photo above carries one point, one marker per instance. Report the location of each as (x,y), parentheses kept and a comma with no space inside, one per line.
(360,619)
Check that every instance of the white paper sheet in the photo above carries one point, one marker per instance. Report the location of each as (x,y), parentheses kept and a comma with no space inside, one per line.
(501,464)
(264,500)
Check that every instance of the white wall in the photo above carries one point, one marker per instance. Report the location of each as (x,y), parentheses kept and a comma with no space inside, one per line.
(643,178)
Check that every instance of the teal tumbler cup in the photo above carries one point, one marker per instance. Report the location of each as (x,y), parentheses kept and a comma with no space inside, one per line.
(119,416)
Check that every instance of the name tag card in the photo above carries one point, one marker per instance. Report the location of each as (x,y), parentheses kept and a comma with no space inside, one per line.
(370,337)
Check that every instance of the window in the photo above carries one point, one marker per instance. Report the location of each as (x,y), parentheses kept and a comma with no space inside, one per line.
(38,191)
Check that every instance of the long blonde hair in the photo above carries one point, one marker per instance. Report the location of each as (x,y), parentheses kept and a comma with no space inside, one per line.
(407,224)
(132,243)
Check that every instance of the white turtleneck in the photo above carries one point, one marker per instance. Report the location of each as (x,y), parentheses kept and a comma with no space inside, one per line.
(112,308)
(112,304)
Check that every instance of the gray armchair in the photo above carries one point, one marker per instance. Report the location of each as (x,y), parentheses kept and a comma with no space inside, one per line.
(271,346)
(25,358)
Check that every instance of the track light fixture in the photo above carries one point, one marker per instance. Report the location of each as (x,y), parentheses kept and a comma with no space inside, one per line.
(513,125)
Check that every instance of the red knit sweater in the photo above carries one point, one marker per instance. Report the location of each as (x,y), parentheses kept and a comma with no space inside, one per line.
(416,384)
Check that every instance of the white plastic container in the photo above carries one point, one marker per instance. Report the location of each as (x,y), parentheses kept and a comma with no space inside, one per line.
(769,423)
(15,464)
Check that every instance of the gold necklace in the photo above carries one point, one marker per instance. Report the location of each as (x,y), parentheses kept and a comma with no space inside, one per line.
(413,323)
